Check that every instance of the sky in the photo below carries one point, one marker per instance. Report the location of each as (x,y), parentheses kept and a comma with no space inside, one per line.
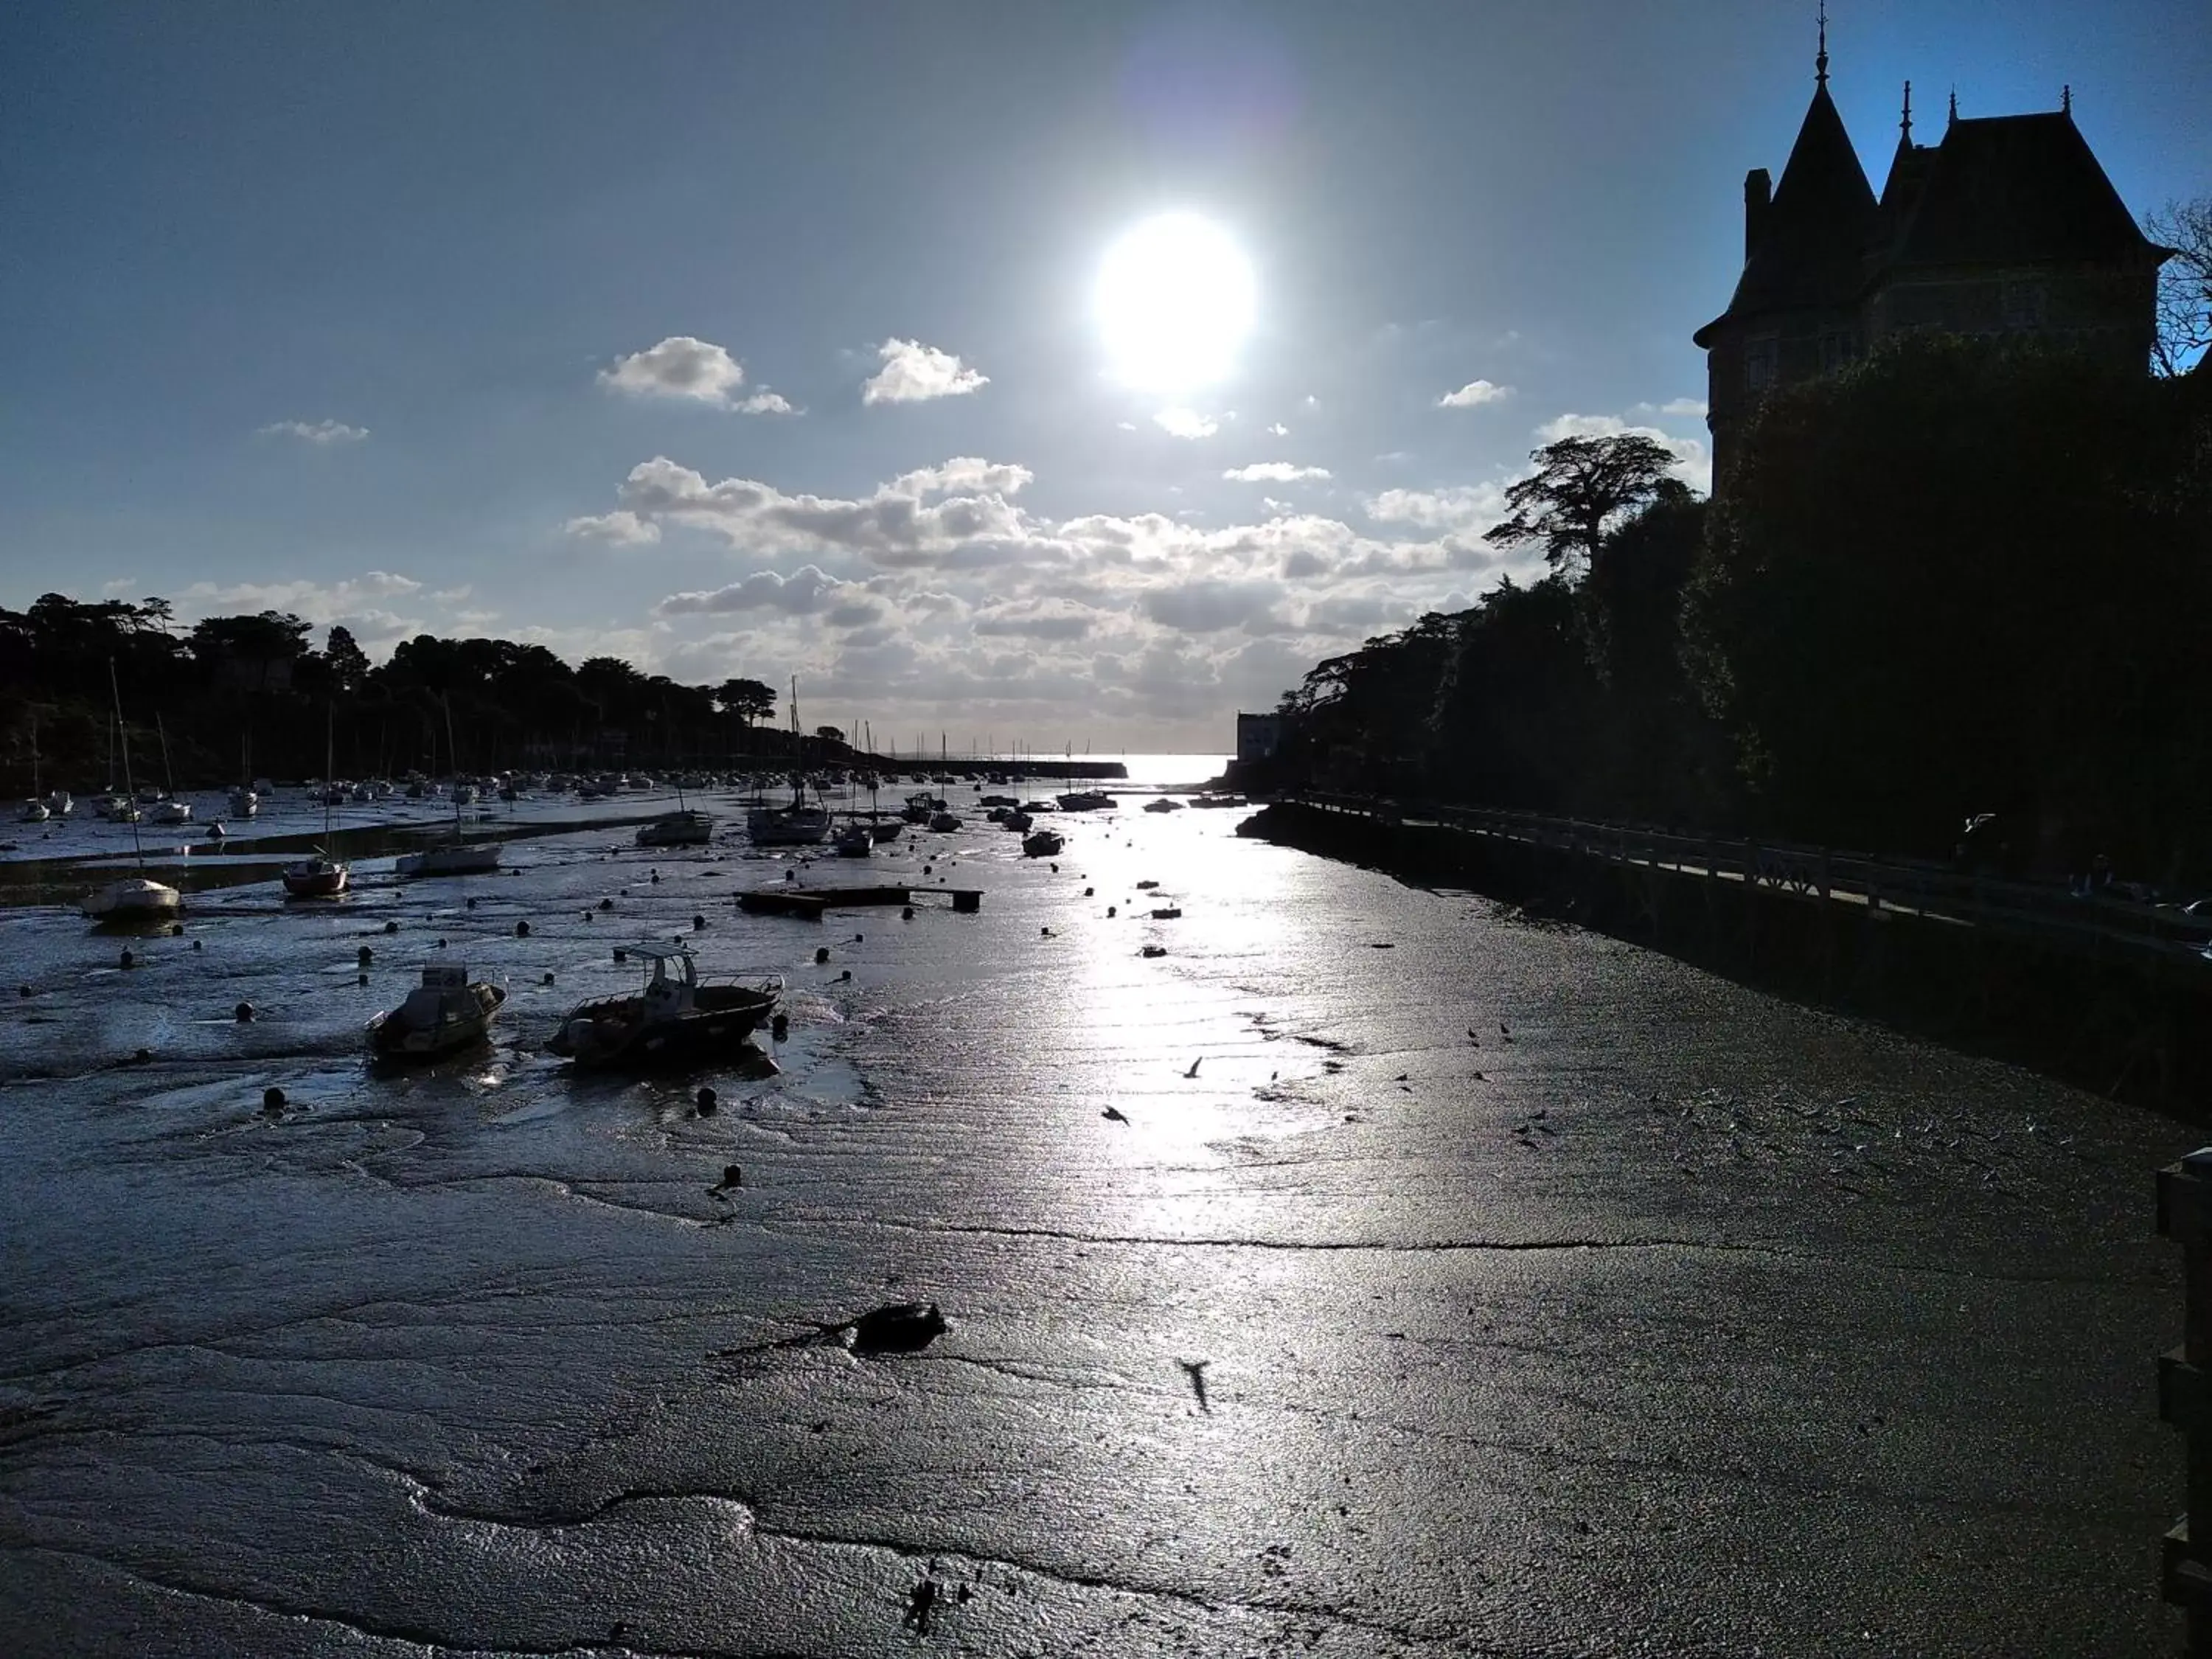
(1049,375)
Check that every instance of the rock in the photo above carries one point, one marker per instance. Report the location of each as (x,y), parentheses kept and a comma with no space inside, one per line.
(899,1327)
(472,902)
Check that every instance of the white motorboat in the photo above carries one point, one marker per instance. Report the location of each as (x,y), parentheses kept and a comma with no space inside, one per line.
(449,862)
(61,803)
(135,898)
(35,811)
(1163,804)
(244,803)
(172,811)
(796,825)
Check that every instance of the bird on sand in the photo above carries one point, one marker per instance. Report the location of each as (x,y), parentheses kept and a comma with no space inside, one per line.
(1193,1067)
(1113,1113)
(1195,1370)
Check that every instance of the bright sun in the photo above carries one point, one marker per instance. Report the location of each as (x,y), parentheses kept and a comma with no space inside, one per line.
(1174,302)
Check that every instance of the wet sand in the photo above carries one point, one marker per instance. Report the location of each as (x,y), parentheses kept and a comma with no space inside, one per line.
(1655,1317)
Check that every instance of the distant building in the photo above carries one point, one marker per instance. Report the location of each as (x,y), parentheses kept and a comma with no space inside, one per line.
(1257,736)
(2006,226)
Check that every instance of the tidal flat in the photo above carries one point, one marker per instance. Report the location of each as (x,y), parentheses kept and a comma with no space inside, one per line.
(1444,1284)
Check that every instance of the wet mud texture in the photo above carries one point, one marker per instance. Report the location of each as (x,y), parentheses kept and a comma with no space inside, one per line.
(1509,1291)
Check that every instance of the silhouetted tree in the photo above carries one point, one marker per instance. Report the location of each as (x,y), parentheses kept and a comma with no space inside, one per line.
(2184,283)
(1581,488)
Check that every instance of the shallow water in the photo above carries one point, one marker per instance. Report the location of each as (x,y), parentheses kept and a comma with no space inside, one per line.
(1547,1297)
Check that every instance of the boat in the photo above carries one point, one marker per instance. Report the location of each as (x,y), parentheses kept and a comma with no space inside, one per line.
(61,803)
(167,808)
(886,828)
(855,841)
(676,1019)
(919,808)
(459,858)
(1163,804)
(795,825)
(1219,800)
(678,829)
(943,822)
(1019,823)
(137,898)
(444,1013)
(318,875)
(244,803)
(35,810)
(1085,800)
(1044,844)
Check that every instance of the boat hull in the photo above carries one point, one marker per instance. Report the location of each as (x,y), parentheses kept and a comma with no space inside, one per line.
(137,900)
(316,878)
(614,1034)
(449,862)
(393,1037)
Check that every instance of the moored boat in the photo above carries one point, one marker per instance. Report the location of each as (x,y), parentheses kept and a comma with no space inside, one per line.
(855,841)
(1085,800)
(676,1019)
(682,828)
(449,862)
(133,899)
(447,1011)
(1044,844)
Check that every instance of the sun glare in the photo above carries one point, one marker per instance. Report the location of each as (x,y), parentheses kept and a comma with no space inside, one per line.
(1174,302)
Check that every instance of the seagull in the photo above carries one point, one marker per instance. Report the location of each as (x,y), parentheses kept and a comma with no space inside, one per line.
(1193,1067)
(1114,1115)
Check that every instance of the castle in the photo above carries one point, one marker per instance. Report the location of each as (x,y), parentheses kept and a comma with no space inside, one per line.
(2005,225)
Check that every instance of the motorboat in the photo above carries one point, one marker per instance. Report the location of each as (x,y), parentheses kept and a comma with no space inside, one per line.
(943,822)
(884,829)
(172,811)
(854,841)
(677,1020)
(1163,804)
(60,802)
(1044,844)
(35,811)
(679,829)
(1219,800)
(244,803)
(447,1011)
(133,899)
(1019,823)
(1085,800)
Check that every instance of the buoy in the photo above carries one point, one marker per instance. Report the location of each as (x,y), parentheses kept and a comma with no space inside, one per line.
(907,914)
(360,979)
(391,927)
(779,1025)
(441,945)
(606,904)
(1088,891)
(656,877)
(846,974)
(732,1175)
(548,980)
(197,945)
(1112,911)
(176,930)
(244,1013)
(364,956)
(522,930)
(22,990)
(272,1099)
(128,960)
(821,955)
(472,901)
(621,955)
(698,922)
(706,1102)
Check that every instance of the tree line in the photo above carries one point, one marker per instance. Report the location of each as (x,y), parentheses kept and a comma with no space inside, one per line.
(1959,576)
(235,696)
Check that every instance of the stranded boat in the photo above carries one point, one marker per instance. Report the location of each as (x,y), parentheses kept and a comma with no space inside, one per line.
(677,1020)
(683,829)
(1044,844)
(444,1013)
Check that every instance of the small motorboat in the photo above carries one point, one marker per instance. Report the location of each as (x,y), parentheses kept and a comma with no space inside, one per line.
(134,899)
(943,822)
(1043,844)
(444,1013)
(681,829)
(244,803)
(1019,823)
(449,862)
(886,830)
(854,841)
(1085,801)
(677,1020)
(35,811)
(172,811)
(1163,804)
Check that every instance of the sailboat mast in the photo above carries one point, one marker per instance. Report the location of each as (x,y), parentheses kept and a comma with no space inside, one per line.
(130,797)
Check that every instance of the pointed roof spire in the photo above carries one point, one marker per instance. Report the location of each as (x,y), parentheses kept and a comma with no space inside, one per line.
(1954,105)
(2066,98)
(1905,125)
(1821,63)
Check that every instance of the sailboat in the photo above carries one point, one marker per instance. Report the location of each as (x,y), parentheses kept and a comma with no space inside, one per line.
(318,875)
(458,860)
(135,898)
(685,827)
(169,809)
(244,800)
(35,811)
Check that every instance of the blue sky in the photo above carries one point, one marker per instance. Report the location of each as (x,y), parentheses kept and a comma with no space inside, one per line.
(355,311)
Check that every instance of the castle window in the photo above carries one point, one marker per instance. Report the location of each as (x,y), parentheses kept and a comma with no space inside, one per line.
(2026,302)
(1759,361)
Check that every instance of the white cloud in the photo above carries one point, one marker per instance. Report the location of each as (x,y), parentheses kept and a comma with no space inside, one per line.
(354,603)
(1273,472)
(806,592)
(913,372)
(322,434)
(1279,430)
(766,403)
(115,585)
(1186,424)
(1474,394)
(681,366)
(1457,507)
(620,528)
